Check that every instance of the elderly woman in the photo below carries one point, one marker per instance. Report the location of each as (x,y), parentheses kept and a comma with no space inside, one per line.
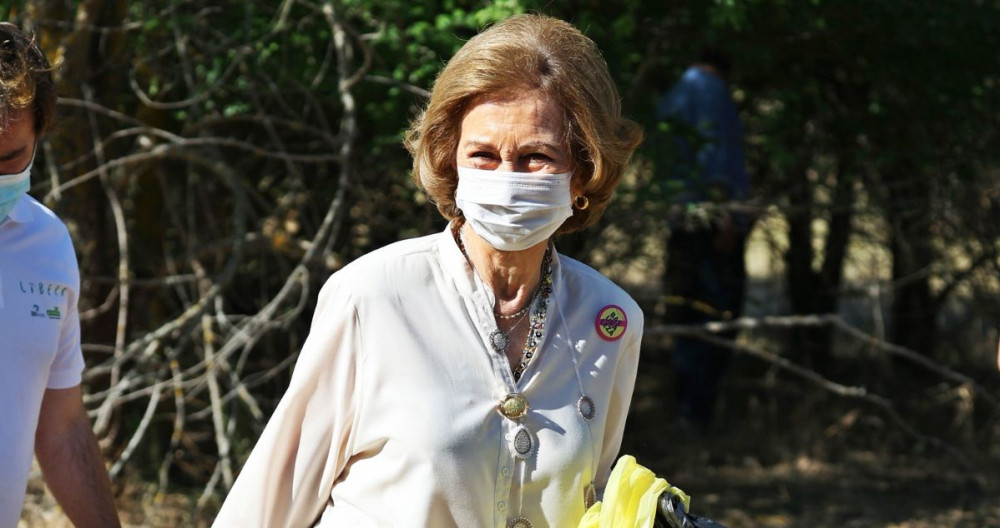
(474,377)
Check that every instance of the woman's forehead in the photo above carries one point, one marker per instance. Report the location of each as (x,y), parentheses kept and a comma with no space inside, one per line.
(533,113)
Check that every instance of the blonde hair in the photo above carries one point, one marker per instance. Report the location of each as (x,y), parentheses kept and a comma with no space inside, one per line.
(526,53)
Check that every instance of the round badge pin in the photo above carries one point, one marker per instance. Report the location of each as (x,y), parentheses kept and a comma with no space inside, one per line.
(611,323)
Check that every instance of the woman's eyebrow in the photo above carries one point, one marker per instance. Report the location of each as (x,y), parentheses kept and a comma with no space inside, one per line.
(540,145)
(530,145)
(478,144)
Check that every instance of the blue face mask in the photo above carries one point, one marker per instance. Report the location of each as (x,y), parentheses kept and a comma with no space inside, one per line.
(12,188)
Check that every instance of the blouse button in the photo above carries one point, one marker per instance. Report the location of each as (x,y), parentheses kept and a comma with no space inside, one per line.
(501,505)
(505,471)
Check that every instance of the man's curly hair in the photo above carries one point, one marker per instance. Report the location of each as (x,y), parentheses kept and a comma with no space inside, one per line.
(25,79)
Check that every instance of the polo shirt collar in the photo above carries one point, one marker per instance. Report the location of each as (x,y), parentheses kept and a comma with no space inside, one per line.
(21,213)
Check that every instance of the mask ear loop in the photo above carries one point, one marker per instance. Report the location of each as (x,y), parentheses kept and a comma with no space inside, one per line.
(590,495)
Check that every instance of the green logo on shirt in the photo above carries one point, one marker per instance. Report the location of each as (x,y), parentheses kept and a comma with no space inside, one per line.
(52,313)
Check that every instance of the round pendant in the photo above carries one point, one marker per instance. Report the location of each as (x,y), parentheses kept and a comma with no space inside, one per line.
(585,408)
(514,406)
(590,495)
(520,522)
(499,342)
(523,443)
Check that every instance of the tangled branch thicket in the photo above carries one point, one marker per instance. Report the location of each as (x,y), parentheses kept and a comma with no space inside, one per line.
(215,164)
(224,155)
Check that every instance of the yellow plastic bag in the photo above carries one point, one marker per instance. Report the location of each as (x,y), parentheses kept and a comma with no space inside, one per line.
(630,498)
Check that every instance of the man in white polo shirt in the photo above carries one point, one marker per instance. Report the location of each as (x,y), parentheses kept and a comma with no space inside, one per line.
(41,409)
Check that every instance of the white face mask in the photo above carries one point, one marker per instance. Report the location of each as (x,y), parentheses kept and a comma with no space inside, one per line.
(12,188)
(513,211)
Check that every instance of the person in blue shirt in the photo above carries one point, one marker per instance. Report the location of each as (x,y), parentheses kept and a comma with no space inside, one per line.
(705,278)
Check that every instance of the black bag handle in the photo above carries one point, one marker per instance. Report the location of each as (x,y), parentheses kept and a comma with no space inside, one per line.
(670,513)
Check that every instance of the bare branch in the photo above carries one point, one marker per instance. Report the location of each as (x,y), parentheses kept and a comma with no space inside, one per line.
(746,323)
(884,404)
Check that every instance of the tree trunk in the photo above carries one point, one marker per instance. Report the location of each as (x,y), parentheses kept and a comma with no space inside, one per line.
(913,312)
(812,290)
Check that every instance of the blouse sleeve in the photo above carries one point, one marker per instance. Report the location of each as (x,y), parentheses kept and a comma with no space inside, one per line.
(289,476)
(621,398)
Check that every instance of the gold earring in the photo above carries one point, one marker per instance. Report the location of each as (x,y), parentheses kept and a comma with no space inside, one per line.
(581,202)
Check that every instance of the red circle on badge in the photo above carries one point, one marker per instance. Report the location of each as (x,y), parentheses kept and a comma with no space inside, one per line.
(611,323)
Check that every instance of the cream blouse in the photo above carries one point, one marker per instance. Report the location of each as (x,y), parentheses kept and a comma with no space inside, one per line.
(391,417)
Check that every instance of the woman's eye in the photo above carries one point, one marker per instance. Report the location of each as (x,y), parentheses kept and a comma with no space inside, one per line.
(481,154)
(539,157)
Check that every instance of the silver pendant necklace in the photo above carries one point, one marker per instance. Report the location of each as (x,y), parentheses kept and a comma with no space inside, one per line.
(500,340)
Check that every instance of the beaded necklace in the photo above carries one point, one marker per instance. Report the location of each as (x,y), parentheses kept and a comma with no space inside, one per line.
(518,314)
(499,340)
(537,327)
